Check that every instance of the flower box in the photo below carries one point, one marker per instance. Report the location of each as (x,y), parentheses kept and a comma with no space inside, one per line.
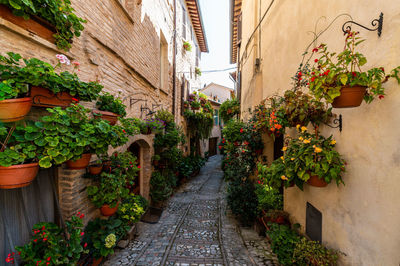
(42,97)
(108,116)
(33,25)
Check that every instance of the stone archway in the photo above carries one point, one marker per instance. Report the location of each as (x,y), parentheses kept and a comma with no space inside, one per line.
(142,147)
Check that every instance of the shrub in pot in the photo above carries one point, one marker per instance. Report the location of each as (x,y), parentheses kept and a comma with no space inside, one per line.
(110,108)
(187,46)
(131,209)
(338,78)
(51,245)
(309,252)
(149,126)
(229,109)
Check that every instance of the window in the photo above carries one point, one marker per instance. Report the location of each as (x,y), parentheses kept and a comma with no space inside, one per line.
(216,117)
(164,63)
(183,23)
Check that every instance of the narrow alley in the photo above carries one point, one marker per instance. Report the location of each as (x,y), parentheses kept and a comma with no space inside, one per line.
(196,229)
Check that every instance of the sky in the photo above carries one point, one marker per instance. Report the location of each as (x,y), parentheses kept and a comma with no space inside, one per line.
(216,22)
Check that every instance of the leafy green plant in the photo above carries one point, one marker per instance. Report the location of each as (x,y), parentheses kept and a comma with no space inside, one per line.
(197,71)
(268,198)
(332,71)
(51,245)
(309,252)
(187,46)
(39,73)
(102,236)
(195,105)
(283,242)
(131,209)
(165,116)
(108,102)
(229,109)
(59,13)
(160,187)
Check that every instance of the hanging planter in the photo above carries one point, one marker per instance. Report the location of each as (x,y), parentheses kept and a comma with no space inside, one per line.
(81,163)
(17,176)
(350,97)
(42,97)
(316,181)
(108,116)
(106,210)
(15,109)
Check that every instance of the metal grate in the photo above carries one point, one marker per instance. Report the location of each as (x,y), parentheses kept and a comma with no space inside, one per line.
(313,223)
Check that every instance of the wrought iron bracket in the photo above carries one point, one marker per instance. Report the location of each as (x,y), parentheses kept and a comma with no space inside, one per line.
(377,25)
(338,123)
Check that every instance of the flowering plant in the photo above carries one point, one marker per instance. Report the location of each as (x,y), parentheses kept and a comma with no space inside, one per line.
(187,46)
(229,109)
(152,126)
(107,102)
(331,71)
(131,209)
(51,246)
(59,13)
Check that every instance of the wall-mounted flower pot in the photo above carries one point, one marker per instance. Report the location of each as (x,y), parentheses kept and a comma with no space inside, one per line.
(108,116)
(349,97)
(34,25)
(95,169)
(106,210)
(96,262)
(315,181)
(42,97)
(17,176)
(15,109)
(81,163)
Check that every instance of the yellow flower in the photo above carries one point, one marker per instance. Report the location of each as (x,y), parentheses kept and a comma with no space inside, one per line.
(317,149)
(60,8)
(306,141)
(284,177)
(301,138)
(298,126)
(303,128)
(333,142)
(292,158)
(284,148)
(283,158)
(314,146)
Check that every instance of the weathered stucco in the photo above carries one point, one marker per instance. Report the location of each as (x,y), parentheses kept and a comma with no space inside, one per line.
(361,219)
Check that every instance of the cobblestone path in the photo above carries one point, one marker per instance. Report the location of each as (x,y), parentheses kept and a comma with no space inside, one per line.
(196,229)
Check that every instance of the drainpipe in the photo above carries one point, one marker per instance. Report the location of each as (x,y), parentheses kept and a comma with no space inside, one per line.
(174,65)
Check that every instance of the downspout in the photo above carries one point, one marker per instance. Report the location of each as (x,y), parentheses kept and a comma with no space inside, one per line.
(174,66)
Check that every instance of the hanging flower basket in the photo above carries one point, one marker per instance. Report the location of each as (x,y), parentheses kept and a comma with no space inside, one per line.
(81,163)
(350,97)
(17,176)
(316,181)
(42,97)
(106,210)
(15,109)
(108,116)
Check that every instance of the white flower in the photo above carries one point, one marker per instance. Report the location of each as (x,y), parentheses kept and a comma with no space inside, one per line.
(63,59)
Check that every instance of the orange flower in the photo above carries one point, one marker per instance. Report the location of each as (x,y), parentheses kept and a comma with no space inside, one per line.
(277,126)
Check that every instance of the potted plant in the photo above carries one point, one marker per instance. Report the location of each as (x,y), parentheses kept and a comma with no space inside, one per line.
(278,174)
(186,104)
(309,252)
(195,105)
(14,102)
(131,209)
(52,245)
(150,126)
(197,71)
(59,16)
(187,46)
(229,109)
(312,158)
(18,157)
(110,108)
(96,168)
(339,80)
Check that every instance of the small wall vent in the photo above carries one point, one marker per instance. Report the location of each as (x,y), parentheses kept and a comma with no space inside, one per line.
(313,223)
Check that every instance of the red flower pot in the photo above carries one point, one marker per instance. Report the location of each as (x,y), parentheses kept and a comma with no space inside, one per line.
(97,262)
(106,210)
(17,176)
(349,97)
(14,109)
(95,169)
(108,116)
(81,163)
(315,181)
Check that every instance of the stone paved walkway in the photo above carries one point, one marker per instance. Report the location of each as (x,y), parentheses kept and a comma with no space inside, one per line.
(196,229)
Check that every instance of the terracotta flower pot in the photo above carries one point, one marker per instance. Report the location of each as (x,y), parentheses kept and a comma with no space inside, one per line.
(315,181)
(81,163)
(15,109)
(33,25)
(350,97)
(107,166)
(95,169)
(97,262)
(42,97)
(108,116)
(17,176)
(106,210)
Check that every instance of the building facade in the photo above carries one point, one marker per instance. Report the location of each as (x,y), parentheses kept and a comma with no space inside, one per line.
(268,42)
(133,48)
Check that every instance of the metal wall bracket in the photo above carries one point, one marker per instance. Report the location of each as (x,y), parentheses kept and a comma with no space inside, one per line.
(338,122)
(376,23)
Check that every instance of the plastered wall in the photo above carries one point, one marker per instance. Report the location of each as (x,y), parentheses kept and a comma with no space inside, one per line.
(362,218)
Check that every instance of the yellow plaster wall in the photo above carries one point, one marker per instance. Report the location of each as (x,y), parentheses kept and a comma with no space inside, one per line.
(362,218)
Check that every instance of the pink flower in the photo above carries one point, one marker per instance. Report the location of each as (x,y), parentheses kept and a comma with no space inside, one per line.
(138,166)
(63,59)
(85,245)
(76,63)
(82,233)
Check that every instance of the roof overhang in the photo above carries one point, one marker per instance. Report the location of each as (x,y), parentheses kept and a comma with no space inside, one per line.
(197,22)
(236,9)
